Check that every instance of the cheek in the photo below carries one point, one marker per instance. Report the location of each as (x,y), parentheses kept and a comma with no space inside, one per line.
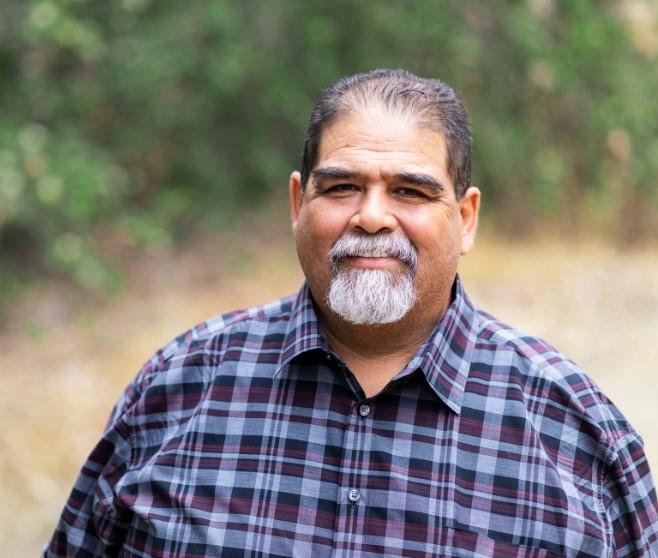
(426,235)
(314,240)
(433,230)
(438,247)
(321,226)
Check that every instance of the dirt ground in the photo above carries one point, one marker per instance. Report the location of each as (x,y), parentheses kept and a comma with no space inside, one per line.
(64,358)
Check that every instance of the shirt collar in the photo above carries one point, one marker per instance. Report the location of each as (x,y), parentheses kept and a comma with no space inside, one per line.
(444,358)
(303,331)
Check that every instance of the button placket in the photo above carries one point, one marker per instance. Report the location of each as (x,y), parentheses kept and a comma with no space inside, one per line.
(353,469)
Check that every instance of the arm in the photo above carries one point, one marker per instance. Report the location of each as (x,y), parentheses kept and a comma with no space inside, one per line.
(98,514)
(91,523)
(629,497)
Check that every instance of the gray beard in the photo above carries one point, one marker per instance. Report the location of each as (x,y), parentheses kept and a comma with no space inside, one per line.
(371,296)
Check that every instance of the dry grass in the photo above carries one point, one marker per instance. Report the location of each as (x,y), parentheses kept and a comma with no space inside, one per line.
(64,361)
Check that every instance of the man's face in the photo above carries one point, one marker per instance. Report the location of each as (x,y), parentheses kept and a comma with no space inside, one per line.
(378,173)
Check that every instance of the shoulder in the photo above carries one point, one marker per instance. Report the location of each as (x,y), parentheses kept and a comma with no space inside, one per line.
(189,357)
(531,356)
(536,356)
(539,407)
(562,400)
(217,331)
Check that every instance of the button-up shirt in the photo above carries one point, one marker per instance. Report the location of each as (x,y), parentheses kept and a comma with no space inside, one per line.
(248,436)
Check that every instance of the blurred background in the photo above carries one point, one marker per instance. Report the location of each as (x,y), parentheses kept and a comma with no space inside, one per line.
(144,153)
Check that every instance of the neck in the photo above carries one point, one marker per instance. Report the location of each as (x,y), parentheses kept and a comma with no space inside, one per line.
(375,354)
(402,338)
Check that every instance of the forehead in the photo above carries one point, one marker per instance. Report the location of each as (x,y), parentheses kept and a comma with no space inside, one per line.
(374,140)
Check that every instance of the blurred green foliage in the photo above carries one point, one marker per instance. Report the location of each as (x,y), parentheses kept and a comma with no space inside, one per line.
(139,119)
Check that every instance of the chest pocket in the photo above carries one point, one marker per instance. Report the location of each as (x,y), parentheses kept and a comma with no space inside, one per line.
(469,514)
(470,544)
(513,524)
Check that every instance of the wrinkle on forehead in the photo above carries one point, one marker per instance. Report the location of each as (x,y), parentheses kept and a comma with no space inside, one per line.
(383,139)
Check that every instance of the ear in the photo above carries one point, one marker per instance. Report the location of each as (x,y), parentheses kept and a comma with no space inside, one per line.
(296,193)
(469,209)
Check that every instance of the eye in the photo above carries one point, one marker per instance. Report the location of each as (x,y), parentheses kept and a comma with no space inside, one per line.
(410,193)
(343,188)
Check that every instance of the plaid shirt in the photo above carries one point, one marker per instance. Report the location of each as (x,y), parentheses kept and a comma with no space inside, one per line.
(248,436)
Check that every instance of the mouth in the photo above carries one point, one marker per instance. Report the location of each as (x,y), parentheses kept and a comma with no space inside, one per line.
(373,262)
(384,252)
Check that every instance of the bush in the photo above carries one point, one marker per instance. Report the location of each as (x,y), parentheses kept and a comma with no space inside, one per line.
(143,118)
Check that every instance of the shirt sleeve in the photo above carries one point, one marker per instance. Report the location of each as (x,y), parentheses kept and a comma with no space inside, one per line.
(92,523)
(629,497)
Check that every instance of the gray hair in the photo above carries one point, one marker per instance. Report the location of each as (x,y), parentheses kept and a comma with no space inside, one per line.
(432,102)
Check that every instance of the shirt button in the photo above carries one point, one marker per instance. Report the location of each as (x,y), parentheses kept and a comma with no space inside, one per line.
(364,410)
(354,495)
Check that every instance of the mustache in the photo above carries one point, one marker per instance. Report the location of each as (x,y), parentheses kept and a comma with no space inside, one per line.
(381,245)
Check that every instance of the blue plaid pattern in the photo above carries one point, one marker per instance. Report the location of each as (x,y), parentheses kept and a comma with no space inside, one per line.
(247,436)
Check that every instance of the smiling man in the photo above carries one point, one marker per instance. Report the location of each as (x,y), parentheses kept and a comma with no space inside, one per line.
(379,224)
(377,412)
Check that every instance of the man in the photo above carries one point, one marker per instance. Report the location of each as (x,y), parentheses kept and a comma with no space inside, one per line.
(376,412)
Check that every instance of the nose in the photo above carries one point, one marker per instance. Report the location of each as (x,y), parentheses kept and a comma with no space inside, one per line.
(375,213)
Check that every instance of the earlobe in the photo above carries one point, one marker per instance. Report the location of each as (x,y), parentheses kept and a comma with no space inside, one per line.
(469,210)
(296,194)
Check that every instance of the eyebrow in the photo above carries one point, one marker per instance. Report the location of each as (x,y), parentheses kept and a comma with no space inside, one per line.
(419,179)
(416,178)
(334,172)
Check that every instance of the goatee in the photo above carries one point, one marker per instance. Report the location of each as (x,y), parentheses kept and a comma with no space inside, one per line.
(372,296)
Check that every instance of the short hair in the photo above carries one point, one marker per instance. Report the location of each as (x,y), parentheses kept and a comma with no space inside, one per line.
(432,102)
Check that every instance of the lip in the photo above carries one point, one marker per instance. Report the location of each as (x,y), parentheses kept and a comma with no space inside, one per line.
(366,262)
